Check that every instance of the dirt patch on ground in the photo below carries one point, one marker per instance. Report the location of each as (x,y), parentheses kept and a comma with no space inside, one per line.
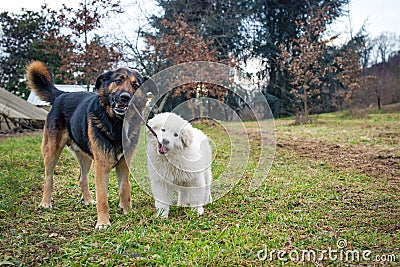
(18,133)
(376,164)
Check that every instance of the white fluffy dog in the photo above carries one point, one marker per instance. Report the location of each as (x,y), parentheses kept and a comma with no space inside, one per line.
(179,162)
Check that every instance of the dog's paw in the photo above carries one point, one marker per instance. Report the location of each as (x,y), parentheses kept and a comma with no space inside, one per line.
(102,226)
(45,205)
(200,211)
(161,214)
(88,201)
(125,207)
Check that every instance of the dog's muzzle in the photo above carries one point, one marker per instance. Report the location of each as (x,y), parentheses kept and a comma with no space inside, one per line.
(120,103)
(162,148)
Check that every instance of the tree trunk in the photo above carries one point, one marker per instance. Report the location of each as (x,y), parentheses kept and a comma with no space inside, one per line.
(305,103)
(378,95)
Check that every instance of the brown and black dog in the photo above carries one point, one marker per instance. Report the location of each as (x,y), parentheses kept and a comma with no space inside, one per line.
(91,125)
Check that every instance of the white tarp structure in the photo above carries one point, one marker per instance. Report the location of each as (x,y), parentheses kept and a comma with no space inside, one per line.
(16,112)
(34,99)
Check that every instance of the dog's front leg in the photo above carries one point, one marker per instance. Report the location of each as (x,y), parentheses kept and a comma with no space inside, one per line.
(162,197)
(122,172)
(102,174)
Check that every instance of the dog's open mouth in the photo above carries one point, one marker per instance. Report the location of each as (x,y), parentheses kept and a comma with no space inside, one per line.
(120,103)
(120,109)
(162,149)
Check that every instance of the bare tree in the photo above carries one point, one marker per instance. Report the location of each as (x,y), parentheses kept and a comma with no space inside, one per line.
(181,44)
(366,53)
(386,44)
(83,53)
(303,62)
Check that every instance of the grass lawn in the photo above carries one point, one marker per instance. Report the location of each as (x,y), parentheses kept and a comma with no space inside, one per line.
(332,194)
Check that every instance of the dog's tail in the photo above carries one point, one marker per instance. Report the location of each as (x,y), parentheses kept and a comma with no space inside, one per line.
(40,80)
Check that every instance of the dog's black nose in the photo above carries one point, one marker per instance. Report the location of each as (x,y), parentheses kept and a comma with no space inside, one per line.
(125,97)
(165,142)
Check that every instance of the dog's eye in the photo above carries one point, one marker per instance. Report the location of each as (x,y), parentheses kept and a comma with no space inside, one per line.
(175,134)
(163,130)
(118,82)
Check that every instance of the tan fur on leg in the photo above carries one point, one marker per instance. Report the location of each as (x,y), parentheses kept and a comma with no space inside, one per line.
(52,146)
(124,185)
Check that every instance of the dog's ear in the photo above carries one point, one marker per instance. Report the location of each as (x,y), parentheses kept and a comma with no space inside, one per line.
(187,135)
(138,76)
(101,78)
